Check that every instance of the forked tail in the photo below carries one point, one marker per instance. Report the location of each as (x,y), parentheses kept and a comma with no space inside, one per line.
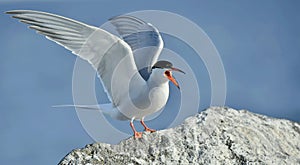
(84,107)
(106,109)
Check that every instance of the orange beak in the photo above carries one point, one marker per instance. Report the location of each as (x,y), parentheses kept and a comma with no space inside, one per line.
(173,80)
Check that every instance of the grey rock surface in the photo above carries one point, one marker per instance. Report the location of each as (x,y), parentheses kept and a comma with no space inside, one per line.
(218,135)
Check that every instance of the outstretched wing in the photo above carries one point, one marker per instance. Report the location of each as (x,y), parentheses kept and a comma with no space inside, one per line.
(143,38)
(109,55)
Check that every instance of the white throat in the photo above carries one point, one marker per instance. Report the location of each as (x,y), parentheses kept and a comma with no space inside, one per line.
(157,78)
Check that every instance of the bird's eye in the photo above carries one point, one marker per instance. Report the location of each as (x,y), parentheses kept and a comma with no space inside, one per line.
(168,73)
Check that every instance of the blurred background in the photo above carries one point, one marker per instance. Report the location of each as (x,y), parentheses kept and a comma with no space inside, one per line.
(258,41)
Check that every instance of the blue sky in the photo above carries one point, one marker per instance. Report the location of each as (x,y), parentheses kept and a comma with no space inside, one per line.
(259,43)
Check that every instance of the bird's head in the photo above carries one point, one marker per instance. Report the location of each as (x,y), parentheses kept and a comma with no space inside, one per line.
(163,69)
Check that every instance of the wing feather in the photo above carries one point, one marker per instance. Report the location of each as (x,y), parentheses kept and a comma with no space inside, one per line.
(143,38)
(107,53)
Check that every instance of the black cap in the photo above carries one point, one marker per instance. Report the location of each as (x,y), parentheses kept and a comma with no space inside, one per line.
(162,65)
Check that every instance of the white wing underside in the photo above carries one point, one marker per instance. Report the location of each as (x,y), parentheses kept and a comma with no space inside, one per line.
(143,38)
(109,55)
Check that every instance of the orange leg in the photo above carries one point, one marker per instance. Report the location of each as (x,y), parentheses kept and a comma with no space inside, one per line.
(147,128)
(136,134)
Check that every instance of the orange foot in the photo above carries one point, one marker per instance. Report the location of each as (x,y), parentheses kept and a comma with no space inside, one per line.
(138,135)
(150,130)
(147,128)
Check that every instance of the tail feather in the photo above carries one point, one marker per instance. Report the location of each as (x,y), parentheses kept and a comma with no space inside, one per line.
(106,109)
(86,107)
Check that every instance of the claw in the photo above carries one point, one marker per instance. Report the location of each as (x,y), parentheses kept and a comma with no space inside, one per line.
(138,135)
(150,130)
(147,128)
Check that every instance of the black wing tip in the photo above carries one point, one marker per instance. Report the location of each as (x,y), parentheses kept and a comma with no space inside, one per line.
(22,11)
(114,17)
(10,12)
(122,16)
(15,11)
(127,16)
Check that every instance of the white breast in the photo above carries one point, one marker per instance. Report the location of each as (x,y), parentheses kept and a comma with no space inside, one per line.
(159,97)
(148,102)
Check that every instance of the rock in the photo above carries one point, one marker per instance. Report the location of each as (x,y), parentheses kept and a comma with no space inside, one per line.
(218,135)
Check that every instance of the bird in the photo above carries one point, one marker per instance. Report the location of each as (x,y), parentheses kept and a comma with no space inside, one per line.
(136,82)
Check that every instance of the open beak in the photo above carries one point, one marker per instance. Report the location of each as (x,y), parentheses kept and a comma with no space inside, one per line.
(172,79)
(178,70)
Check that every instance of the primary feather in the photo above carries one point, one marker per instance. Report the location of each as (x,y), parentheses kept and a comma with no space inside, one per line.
(103,50)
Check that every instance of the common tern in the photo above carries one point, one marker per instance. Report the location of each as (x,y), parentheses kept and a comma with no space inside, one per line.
(136,83)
